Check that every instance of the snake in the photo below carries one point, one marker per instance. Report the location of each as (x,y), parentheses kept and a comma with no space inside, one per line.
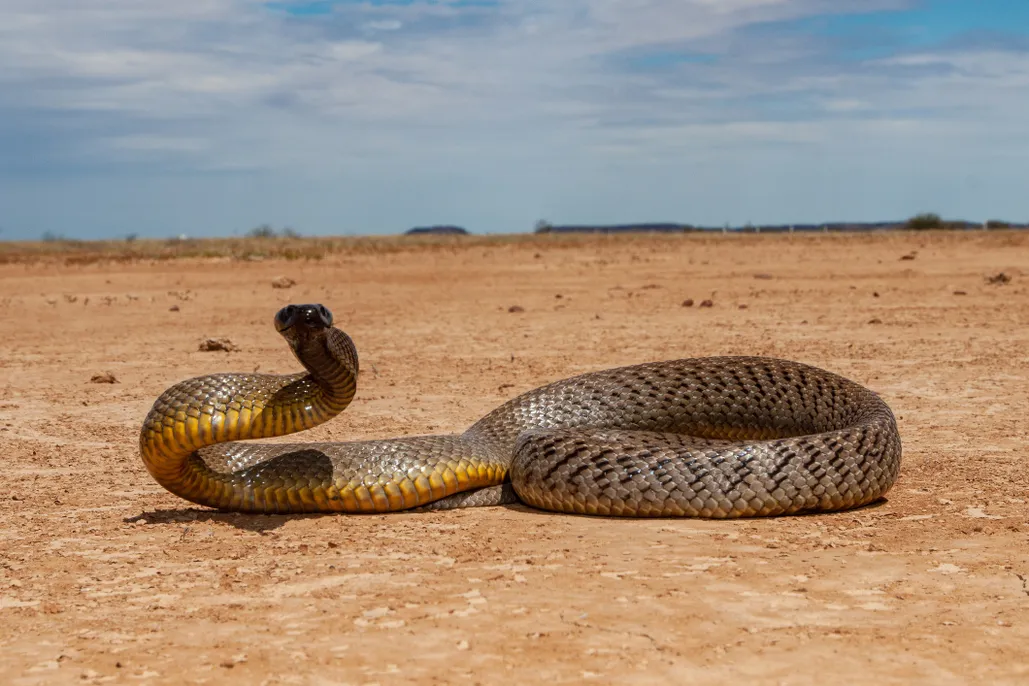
(709,437)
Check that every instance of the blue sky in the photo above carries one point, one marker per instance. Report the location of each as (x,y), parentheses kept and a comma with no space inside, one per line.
(210,117)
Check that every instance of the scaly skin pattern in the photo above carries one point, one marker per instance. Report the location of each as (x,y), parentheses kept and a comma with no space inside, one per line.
(709,437)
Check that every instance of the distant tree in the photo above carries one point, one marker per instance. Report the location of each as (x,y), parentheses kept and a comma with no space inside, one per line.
(290,232)
(924,222)
(51,237)
(998,224)
(131,237)
(542,226)
(262,231)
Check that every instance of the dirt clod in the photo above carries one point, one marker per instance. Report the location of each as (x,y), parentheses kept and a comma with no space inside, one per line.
(998,279)
(218,344)
(283,282)
(106,377)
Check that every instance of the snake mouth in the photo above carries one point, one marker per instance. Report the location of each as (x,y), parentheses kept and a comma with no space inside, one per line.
(303,318)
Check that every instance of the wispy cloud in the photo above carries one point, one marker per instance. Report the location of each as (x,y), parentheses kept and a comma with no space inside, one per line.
(376,115)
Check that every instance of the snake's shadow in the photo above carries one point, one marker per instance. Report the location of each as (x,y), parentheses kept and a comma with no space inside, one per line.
(255,522)
(263,523)
(260,522)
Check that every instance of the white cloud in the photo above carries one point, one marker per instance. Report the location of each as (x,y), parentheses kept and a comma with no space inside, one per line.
(384,25)
(845,105)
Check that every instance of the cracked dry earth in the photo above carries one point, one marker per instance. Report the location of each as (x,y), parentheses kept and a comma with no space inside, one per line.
(105,577)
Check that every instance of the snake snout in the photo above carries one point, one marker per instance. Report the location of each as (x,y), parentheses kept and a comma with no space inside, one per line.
(315,316)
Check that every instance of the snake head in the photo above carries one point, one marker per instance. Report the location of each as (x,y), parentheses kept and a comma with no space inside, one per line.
(294,321)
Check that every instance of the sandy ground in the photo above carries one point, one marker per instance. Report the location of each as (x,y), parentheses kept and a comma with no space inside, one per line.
(106,577)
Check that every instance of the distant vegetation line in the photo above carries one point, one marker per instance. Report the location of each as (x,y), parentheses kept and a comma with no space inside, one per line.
(920,222)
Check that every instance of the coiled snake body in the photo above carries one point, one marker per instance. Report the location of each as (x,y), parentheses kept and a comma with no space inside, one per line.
(706,437)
